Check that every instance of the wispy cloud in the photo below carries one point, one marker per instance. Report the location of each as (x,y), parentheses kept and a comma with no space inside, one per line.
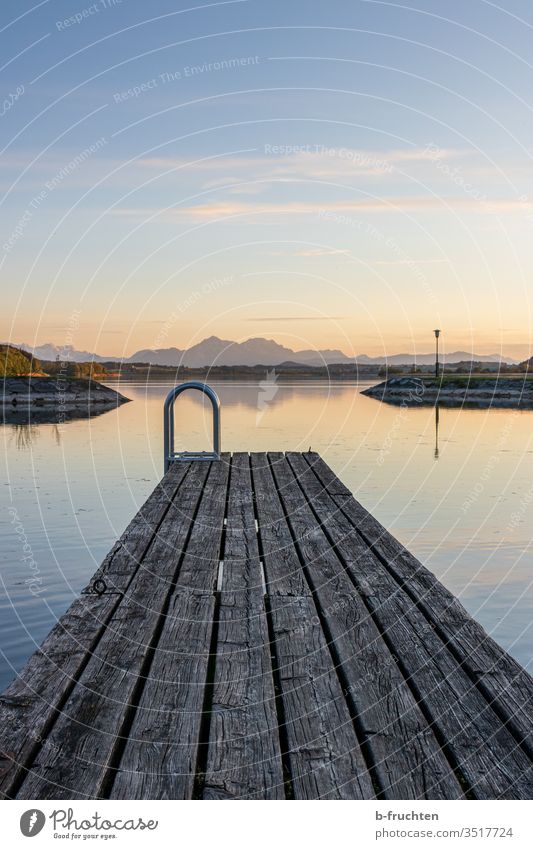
(254,173)
(296,318)
(244,173)
(409,262)
(322,252)
(221,209)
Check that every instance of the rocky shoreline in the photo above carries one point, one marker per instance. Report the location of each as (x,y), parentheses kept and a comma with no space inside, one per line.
(513,392)
(61,398)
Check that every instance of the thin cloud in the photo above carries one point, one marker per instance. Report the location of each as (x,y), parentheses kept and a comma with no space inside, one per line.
(277,163)
(322,252)
(214,172)
(409,262)
(297,318)
(386,205)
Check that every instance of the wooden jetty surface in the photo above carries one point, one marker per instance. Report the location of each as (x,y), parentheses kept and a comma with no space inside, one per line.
(257,634)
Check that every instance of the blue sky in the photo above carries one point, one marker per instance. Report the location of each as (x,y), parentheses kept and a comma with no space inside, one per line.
(349,174)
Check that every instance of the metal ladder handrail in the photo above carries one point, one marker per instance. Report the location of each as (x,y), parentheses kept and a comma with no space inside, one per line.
(171,456)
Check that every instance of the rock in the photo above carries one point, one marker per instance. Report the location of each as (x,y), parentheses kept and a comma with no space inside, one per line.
(461,391)
(58,394)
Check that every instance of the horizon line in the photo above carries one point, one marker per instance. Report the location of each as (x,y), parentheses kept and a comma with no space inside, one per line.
(415,354)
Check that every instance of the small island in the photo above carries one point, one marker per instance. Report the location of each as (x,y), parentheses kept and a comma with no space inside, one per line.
(51,391)
(456,391)
(29,392)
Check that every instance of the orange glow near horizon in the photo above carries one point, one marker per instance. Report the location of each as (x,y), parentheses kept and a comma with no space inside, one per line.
(297,334)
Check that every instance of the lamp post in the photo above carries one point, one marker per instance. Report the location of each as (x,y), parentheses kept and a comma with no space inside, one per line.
(437,334)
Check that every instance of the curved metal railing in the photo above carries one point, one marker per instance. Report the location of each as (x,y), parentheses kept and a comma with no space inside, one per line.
(172,456)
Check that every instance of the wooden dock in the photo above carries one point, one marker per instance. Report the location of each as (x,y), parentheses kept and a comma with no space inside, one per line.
(257,634)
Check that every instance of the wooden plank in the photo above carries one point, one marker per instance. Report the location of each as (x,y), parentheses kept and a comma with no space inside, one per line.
(160,755)
(29,706)
(199,570)
(407,759)
(120,563)
(482,749)
(284,573)
(324,753)
(243,757)
(83,738)
(504,683)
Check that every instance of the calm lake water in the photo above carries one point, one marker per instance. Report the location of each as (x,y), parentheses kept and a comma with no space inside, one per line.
(460,496)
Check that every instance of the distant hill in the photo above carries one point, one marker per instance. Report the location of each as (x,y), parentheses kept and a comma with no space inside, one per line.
(224,352)
(51,352)
(14,362)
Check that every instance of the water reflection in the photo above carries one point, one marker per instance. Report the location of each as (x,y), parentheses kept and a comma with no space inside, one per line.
(23,436)
(253,395)
(50,415)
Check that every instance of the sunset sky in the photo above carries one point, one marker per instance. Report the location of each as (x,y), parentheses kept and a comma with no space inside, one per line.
(344,174)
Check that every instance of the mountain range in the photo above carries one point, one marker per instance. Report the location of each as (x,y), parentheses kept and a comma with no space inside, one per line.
(257,351)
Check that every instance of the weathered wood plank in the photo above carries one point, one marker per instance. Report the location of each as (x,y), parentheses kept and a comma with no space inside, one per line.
(324,753)
(159,759)
(284,573)
(243,757)
(29,706)
(199,570)
(505,684)
(160,755)
(118,566)
(482,749)
(83,738)
(407,758)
